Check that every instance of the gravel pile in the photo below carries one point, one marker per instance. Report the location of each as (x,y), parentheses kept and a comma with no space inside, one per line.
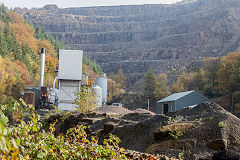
(213,130)
(212,127)
(115,110)
(134,155)
(144,111)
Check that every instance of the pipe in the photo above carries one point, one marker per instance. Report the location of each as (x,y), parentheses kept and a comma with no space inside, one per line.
(54,82)
(42,67)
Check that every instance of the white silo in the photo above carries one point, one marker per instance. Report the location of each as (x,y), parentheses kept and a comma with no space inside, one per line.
(84,79)
(102,82)
(98,91)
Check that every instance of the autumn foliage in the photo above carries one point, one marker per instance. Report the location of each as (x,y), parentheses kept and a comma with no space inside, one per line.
(23,32)
(20,55)
(14,76)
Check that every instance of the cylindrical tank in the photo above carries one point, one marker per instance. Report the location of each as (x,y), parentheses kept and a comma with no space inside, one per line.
(102,82)
(84,79)
(98,91)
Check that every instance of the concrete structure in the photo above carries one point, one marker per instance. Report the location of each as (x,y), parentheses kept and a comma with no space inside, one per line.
(98,91)
(69,78)
(178,101)
(102,82)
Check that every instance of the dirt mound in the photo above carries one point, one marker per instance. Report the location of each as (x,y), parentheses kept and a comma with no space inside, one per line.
(143,111)
(140,135)
(136,116)
(198,133)
(113,110)
(214,129)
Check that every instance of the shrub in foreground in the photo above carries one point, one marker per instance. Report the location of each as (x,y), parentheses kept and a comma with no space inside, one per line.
(27,140)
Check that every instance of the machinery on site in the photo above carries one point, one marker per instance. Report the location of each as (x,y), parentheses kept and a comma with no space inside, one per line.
(69,82)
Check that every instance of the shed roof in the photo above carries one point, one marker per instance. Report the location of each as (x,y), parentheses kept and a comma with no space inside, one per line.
(175,96)
(70,64)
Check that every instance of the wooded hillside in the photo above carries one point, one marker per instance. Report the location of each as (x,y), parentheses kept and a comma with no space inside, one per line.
(20,46)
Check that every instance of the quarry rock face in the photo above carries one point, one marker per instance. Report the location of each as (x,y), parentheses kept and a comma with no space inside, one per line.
(134,38)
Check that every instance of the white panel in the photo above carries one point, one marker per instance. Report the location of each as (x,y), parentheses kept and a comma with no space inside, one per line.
(70,64)
(67,94)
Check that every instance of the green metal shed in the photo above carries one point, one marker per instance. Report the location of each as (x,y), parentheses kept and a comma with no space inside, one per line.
(178,101)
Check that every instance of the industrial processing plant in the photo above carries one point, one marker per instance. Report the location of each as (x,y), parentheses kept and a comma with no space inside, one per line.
(66,85)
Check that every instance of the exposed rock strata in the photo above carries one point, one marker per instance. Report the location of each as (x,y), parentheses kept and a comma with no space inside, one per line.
(134,38)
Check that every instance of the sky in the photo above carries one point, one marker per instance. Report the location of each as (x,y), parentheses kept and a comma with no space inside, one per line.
(79,3)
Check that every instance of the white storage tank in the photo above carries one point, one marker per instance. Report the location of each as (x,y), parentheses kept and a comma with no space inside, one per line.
(98,91)
(102,82)
(84,79)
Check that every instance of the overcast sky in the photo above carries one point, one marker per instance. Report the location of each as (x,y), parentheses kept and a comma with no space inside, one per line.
(79,3)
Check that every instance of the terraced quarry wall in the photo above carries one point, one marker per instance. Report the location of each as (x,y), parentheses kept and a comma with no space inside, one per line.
(133,38)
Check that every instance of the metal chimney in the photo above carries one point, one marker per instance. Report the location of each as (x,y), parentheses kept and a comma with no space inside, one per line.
(42,67)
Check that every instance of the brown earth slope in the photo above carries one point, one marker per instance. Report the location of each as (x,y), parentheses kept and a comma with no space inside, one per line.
(197,133)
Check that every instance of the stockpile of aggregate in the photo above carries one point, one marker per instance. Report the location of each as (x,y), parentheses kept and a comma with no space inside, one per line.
(113,110)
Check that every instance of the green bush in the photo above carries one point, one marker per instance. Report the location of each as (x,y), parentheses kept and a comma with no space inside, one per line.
(27,140)
(86,100)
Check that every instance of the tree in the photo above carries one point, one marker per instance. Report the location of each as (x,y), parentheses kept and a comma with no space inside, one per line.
(4,16)
(121,79)
(149,84)
(42,35)
(116,85)
(211,66)
(48,47)
(92,64)
(228,75)
(179,86)
(24,33)
(199,81)
(25,77)
(13,46)
(86,99)
(13,77)
(3,44)
(161,90)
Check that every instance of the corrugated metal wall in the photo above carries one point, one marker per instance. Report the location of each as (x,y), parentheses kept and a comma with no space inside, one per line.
(70,64)
(190,100)
(67,93)
(70,76)
(171,107)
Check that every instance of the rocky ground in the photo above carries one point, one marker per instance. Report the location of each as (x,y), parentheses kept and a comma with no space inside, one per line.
(206,131)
